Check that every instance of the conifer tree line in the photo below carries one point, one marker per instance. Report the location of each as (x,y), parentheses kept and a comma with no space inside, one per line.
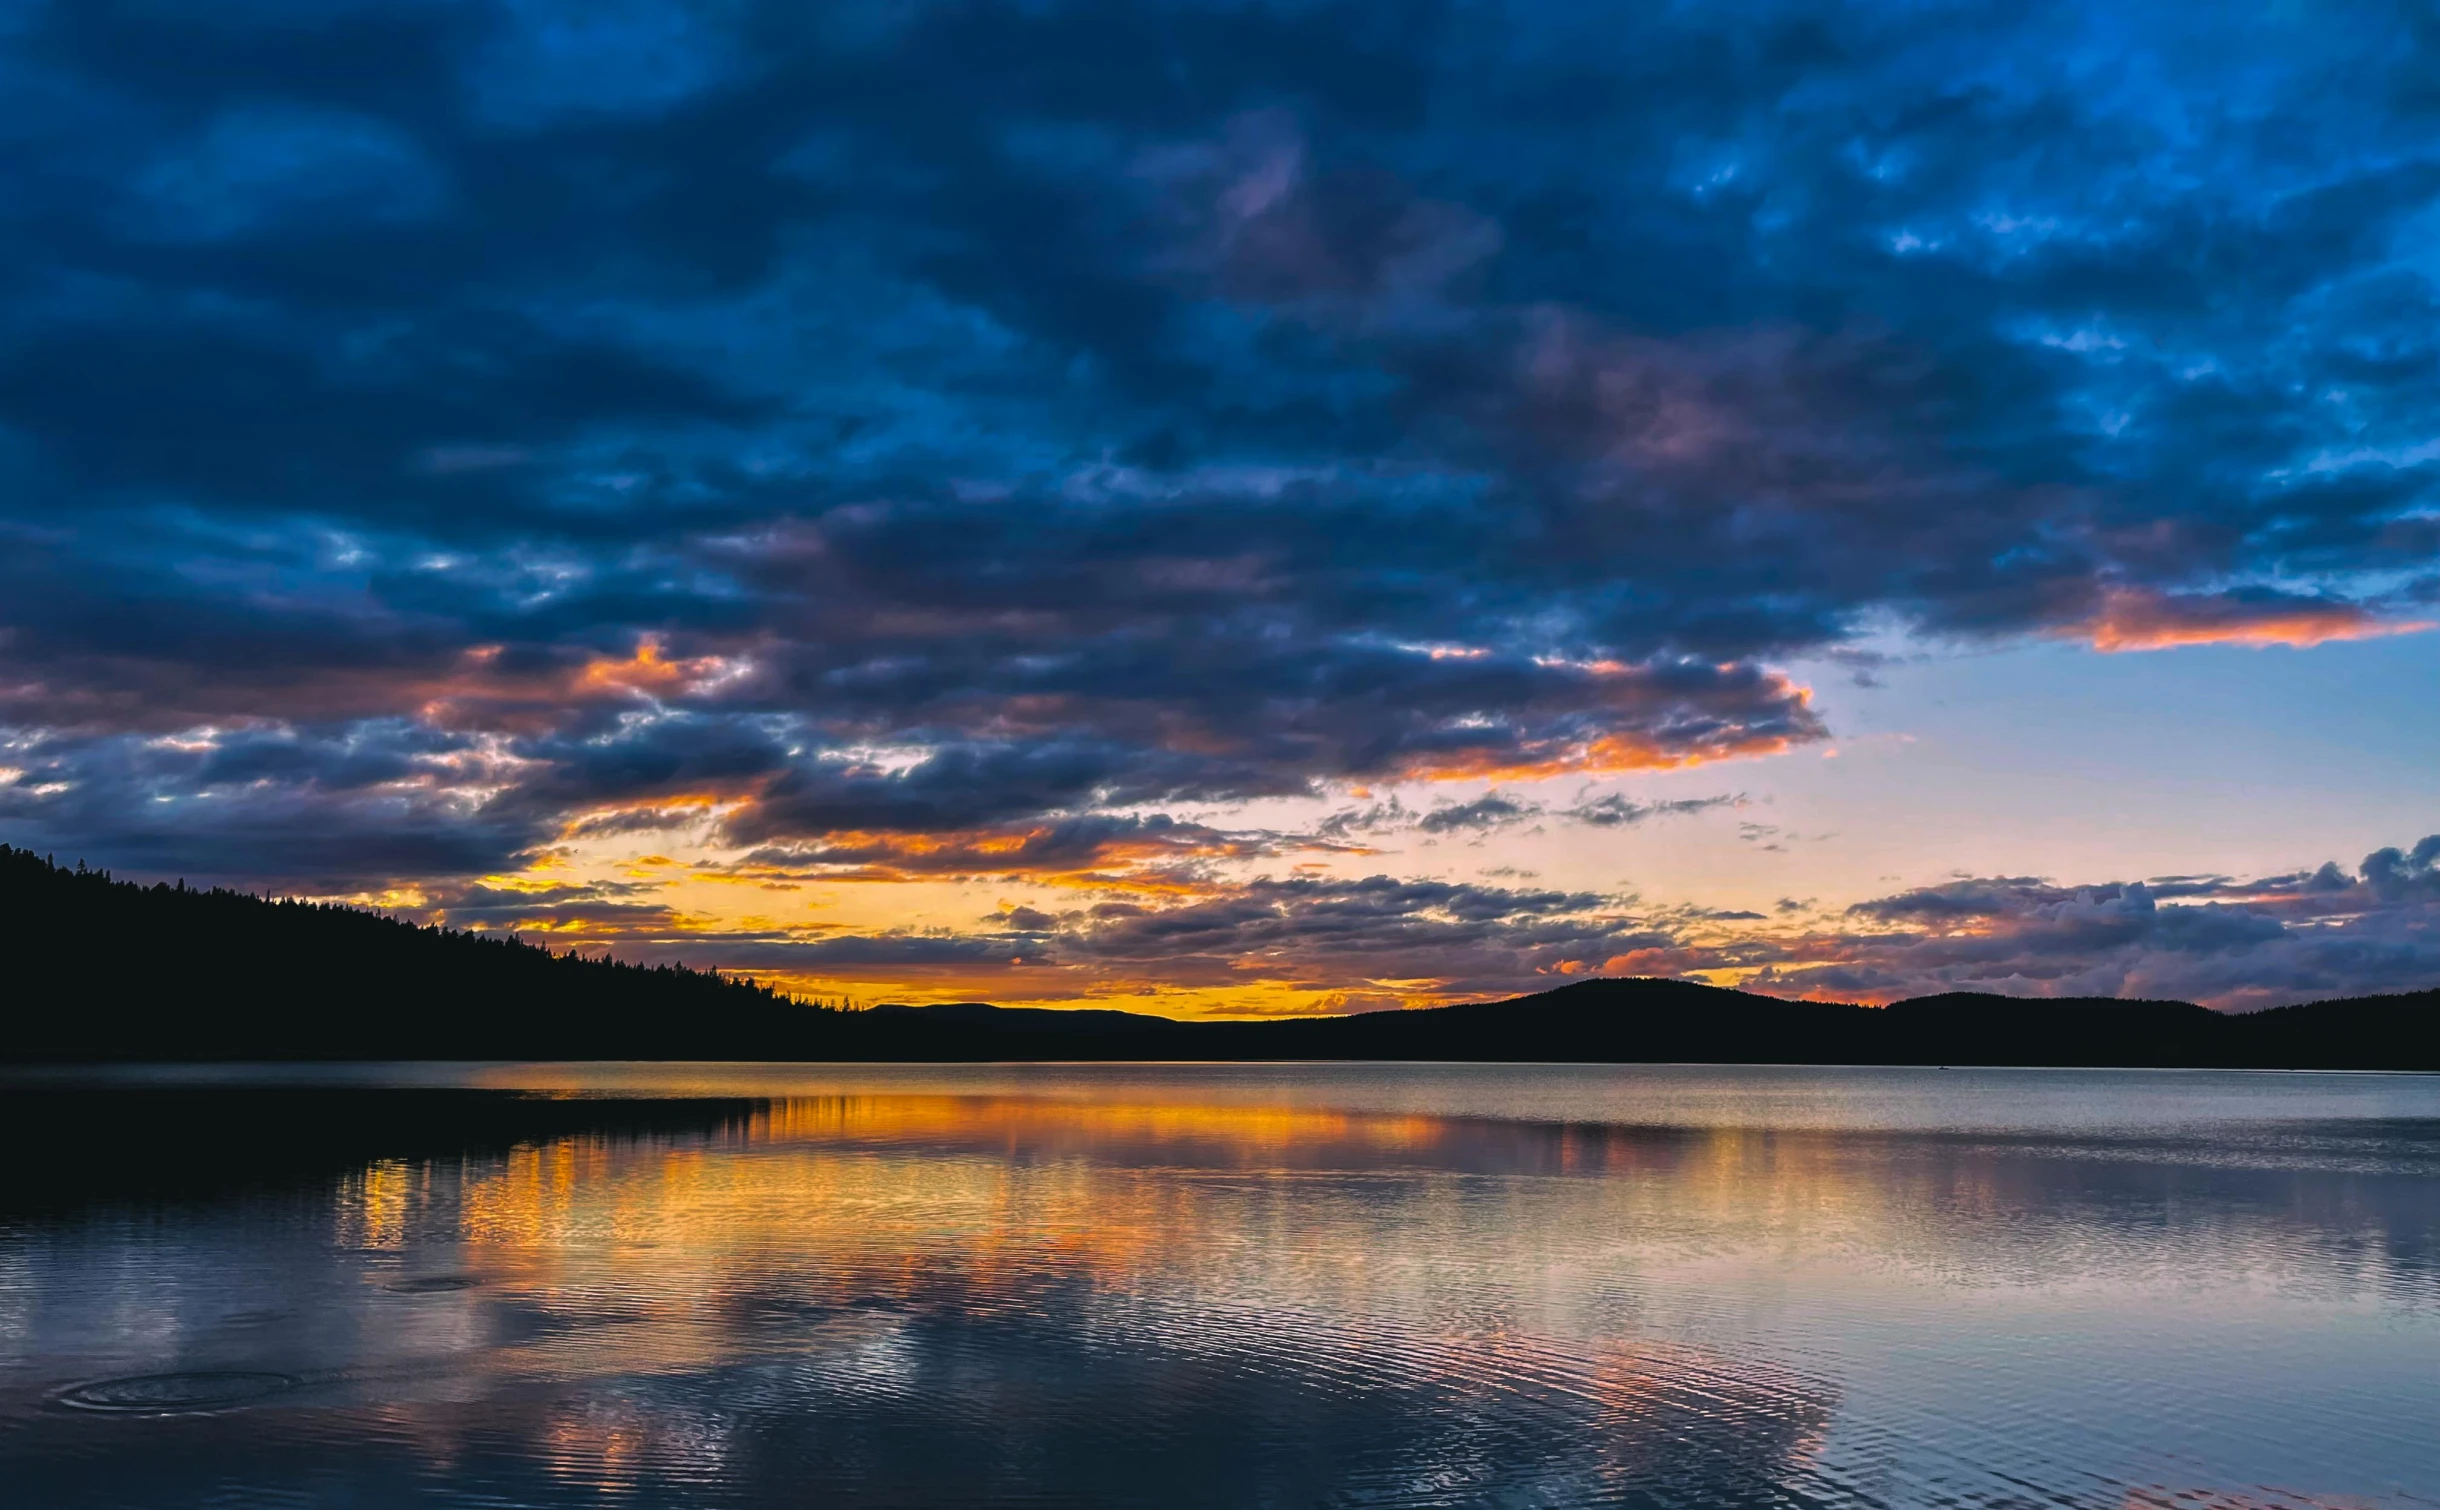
(107,968)
(100,969)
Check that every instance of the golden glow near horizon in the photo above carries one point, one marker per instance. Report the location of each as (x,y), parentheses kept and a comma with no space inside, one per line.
(683,904)
(1224,605)
(1239,1236)
(1739,870)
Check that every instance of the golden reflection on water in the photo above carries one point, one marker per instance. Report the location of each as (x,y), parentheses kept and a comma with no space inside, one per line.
(1342,1253)
(1118,1193)
(920,1296)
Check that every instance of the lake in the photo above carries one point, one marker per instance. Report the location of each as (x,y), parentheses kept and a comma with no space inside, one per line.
(1260,1285)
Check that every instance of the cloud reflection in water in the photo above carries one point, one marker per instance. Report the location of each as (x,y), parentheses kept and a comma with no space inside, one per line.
(906,1293)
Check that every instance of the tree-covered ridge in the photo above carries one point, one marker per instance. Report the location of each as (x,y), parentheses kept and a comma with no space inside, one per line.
(103,970)
(112,969)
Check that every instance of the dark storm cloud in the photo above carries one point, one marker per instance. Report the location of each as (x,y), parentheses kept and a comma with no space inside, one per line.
(646,757)
(1083,723)
(850,956)
(1488,811)
(348,809)
(2404,875)
(1384,941)
(2312,934)
(1962,899)
(1078,847)
(1611,810)
(1341,936)
(588,909)
(1002,412)
(963,786)
(1495,810)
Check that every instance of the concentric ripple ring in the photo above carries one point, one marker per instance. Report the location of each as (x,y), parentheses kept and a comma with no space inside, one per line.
(166,1394)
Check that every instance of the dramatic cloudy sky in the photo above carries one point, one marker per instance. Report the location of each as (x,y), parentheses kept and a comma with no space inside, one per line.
(1250,508)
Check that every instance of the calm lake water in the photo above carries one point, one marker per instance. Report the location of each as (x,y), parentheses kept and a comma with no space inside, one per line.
(1221,1285)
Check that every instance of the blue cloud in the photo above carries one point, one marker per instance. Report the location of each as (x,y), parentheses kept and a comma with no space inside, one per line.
(1140,403)
(267,169)
(548,61)
(2255,943)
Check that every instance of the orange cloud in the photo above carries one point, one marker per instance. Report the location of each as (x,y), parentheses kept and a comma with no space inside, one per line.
(2133,620)
(1624,687)
(488,688)
(1611,754)
(649,670)
(1119,855)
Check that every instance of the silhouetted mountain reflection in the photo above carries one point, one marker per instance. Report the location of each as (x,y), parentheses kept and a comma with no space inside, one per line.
(1167,1285)
(80,1145)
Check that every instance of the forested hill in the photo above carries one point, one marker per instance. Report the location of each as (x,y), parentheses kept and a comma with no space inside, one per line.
(99,970)
(103,969)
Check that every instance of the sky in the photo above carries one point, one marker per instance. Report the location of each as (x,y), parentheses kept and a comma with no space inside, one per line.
(1244,509)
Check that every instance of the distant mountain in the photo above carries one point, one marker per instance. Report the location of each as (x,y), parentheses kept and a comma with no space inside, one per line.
(983,1016)
(1659,1021)
(103,970)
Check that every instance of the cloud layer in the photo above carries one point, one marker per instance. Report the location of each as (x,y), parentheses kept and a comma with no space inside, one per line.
(917,440)
(2225,941)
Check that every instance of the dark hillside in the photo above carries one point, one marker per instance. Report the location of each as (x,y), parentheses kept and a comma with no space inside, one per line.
(152,1144)
(98,970)
(1969,1027)
(2361,1032)
(1675,1021)
(1648,1020)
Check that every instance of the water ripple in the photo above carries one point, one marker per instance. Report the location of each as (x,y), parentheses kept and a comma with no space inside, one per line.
(912,1296)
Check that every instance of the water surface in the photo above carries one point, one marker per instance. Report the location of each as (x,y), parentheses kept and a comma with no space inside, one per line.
(1269,1285)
